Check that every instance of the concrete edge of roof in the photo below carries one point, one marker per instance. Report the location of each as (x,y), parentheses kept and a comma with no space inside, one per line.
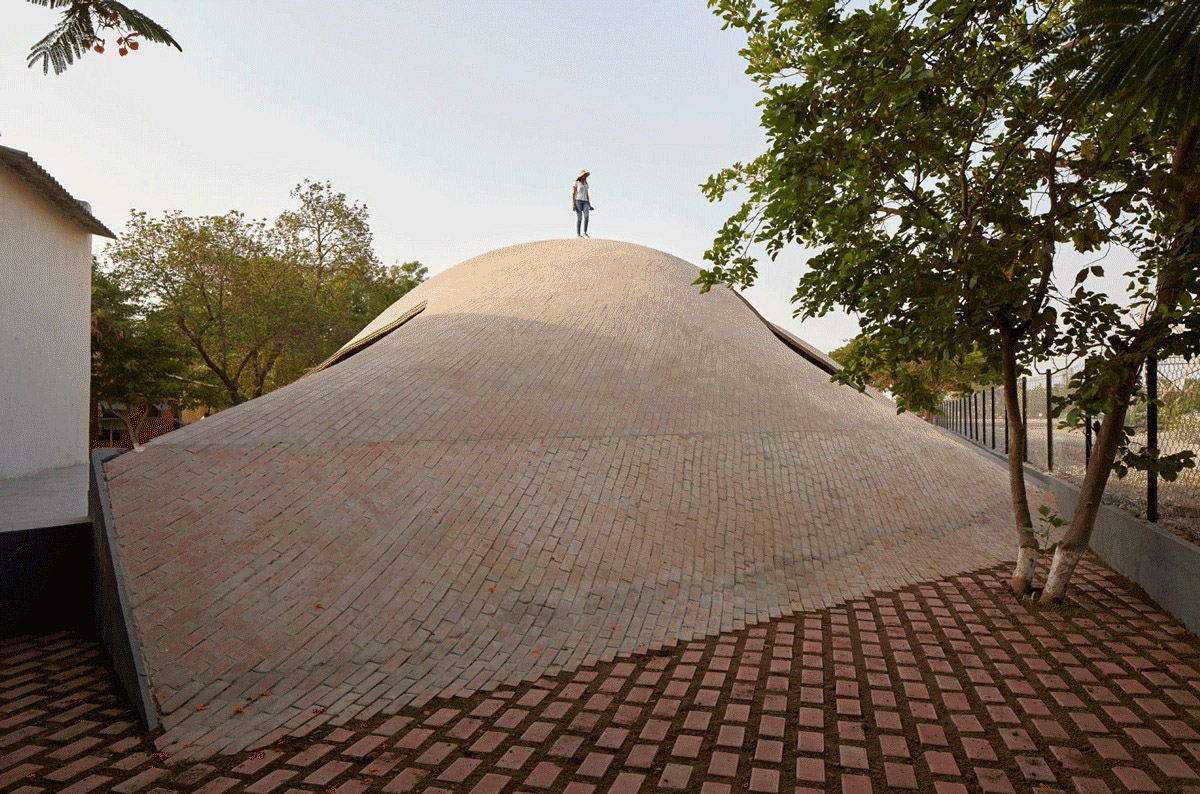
(112,611)
(814,356)
(350,348)
(39,179)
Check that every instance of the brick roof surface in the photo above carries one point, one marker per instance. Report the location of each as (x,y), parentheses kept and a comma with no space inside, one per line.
(569,454)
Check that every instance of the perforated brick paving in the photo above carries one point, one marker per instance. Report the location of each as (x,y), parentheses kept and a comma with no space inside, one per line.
(570,454)
(959,689)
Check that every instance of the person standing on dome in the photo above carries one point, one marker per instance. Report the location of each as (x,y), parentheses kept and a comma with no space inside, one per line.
(580,203)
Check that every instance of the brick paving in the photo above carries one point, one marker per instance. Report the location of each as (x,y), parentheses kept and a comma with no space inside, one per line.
(570,454)
(947,686)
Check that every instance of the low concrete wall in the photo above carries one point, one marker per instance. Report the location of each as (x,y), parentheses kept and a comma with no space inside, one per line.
(113,620)
(44,576)
(1167,567)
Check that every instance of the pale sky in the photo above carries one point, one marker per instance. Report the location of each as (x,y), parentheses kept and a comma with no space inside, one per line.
(461,125)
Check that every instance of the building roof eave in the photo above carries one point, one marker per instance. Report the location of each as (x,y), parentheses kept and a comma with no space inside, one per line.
(28,171)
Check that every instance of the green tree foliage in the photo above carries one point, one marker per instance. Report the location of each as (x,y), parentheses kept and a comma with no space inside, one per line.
(925,151)
(80,28)
(922,151)
(325,241)
(915,382)
(1132,66)
(260,303)
(136,361)
(1135,56)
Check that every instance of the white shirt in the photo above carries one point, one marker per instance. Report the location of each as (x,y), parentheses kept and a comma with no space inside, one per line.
(581,191)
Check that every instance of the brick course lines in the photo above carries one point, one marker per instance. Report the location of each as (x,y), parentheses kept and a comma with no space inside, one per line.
(963,631)
(570,455)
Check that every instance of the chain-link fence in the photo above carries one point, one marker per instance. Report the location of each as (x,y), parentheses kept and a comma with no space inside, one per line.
(1171,426)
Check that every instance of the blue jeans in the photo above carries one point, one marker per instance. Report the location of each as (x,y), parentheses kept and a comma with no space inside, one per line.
(581,215)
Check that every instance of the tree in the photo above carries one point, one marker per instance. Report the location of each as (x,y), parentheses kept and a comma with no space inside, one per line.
(215,278)
(1130,63)
(136,361)
(257,303)
(326,242)
(920,383)
(1135,56)
(925,156)
(77,32)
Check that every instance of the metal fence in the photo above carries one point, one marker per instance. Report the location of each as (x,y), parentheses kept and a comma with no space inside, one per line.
(1170,425)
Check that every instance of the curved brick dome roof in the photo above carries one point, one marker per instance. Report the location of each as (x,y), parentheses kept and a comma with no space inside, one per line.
(567,454)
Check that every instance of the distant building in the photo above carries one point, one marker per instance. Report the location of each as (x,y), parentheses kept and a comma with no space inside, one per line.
(110,431)
(45,309)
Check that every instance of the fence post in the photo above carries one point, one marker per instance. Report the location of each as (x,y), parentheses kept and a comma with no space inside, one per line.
(1006,428)
(993,417)
(974,417)
(1049,424)
(1152,435)
(983,418)
(1087,441)
(1025,417)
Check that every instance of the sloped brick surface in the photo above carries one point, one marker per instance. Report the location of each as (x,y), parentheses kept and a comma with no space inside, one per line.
(569,454)
(946,686)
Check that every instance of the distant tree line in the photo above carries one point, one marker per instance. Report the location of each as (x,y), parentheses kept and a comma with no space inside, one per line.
(217,310)
(920,384)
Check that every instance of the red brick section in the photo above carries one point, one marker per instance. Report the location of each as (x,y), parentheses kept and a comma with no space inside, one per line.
(570,454)
(948,686)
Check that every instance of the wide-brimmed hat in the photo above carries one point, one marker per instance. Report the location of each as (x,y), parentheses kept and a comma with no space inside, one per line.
(583,172)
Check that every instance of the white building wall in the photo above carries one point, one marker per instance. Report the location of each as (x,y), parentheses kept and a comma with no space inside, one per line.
(45,339)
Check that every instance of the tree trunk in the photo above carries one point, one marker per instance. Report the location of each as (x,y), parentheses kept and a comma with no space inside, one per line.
(1027,548)
(129,426)
(1074,543)
(137,431)
(1108,442)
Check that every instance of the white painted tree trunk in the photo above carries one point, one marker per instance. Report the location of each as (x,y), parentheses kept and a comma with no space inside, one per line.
(1027,558)
(1061,569)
